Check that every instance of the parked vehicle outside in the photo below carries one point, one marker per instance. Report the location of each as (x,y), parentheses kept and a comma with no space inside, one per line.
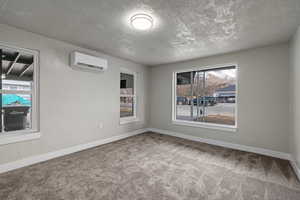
(182,100)
(206,101)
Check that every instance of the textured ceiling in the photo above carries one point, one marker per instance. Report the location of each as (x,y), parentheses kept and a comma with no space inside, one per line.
(183,29)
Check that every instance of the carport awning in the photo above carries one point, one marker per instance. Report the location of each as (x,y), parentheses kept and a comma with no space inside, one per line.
(16,65)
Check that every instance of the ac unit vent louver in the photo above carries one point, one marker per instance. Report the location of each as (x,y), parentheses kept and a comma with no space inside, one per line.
(85,62)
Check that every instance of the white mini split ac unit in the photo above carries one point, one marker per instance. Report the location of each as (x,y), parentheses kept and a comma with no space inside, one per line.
(81,61)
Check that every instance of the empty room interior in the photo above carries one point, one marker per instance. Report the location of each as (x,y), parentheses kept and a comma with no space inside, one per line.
(150,100)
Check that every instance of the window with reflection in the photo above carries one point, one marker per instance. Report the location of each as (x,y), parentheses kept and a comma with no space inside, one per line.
(127,96)
(206,96)
(18,87)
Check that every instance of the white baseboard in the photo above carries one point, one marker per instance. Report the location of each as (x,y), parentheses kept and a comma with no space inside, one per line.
(267,152)
(295,167)
(257,150)
(40,158)
(44,157)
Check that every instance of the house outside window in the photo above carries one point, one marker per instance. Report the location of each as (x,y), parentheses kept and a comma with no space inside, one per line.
(206,97)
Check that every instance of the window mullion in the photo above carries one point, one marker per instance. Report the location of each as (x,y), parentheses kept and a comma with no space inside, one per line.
(15,92)
(192,95)
(1,112)
(127,95)
(203,98)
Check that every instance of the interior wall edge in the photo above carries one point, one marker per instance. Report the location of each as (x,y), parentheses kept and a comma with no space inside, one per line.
(282,43)
(266,152)
(295,166)
(294,80)
(262,151)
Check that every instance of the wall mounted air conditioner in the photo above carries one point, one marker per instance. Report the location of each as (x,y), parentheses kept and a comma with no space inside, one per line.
(82,61)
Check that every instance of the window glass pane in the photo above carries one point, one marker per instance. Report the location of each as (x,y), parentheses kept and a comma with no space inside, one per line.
(184,110)
(220,96)
(127,84)
(198,102)
(16,109)
(16,85)
(126,106)
(16,66)
(207,96)
(184,78)
(189,94)
(17,72)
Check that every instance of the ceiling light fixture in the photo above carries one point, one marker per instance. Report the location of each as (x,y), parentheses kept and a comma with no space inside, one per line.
(141,22)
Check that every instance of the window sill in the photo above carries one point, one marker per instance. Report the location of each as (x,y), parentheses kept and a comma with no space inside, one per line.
(205,125)
(128,120)
(18,137)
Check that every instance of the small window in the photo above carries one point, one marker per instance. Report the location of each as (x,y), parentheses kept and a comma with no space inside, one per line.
(206,97)
(18,90)
(127,97)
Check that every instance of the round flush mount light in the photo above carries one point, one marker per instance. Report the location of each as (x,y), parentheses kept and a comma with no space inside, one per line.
(141,22)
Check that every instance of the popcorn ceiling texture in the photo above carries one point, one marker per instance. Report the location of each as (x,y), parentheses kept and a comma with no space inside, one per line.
(182,29)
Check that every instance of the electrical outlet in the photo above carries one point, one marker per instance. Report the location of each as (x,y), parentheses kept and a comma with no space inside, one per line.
(100,125)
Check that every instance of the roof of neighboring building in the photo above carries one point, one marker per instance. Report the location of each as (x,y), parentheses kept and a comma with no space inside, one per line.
(225,89)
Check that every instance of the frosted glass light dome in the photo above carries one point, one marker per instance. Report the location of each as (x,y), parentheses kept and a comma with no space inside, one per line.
(141,22)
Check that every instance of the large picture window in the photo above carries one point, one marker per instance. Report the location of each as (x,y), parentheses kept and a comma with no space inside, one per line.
(18,88)
(127,97)
(206,97)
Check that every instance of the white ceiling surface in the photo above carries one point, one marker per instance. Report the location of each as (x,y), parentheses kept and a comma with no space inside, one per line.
(183,29)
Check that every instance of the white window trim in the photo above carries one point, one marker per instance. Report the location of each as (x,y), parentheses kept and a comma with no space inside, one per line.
(204,124)
(33,133)
(18,137)
(134,118)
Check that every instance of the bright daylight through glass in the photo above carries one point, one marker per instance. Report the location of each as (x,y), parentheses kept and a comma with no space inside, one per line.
(127,96)
(207,96)
(16,90)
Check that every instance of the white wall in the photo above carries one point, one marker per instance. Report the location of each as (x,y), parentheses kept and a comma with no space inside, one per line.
(295,96)
(263,108)
(73,103)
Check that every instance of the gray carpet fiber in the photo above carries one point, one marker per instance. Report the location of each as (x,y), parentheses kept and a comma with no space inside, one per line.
(156,167)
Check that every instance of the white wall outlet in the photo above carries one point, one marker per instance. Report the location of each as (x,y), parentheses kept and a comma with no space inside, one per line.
(100,125)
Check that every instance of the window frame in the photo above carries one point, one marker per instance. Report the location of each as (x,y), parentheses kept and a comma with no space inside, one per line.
(207,125)
(134,118)
(33,133)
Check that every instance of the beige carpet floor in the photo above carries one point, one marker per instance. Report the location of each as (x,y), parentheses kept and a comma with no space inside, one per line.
(156,167)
